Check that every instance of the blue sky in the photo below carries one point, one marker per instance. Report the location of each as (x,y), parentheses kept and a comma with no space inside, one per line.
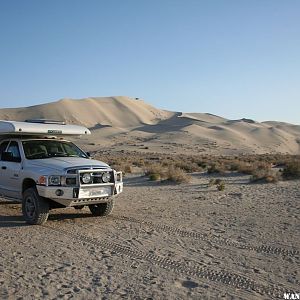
(234,58)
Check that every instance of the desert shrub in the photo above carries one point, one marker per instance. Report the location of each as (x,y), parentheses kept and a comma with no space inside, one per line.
(187,166)
(159,172)
(216,168)
(127,168)
(219,183)
(154,177)
(178,175)
(246,168)
(193,167)
(202,165)
(221,186)
(265,175)
(155,169)
(291,170)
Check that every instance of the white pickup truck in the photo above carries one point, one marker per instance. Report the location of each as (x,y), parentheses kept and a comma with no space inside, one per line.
(45,171)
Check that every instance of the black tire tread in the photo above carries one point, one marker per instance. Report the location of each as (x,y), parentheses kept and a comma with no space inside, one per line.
(42,208)
(102,209)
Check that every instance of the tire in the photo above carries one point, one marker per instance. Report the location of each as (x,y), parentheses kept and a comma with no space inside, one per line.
(102,209)
(79,207)
(35,208)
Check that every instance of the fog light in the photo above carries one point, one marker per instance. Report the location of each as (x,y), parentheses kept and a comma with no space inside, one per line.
(86,178)
(106,177)
(59,192)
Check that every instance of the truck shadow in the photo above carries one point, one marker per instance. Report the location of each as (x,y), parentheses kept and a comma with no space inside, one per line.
(11,221)
(69,216)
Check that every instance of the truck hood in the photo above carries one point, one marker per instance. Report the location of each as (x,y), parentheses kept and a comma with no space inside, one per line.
(63,163)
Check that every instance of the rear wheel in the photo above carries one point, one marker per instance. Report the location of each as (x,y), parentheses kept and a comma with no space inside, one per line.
(35,208)
(102,209)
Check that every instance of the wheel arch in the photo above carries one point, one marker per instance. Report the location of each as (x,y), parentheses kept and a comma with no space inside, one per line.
(28,183)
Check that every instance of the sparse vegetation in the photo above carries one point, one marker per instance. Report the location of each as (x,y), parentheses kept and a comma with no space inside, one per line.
(259,166)
(221,186)
(159,172)
(265,175)
(219,183)
(178,175)
(291,170)
(154,177)
(218,168)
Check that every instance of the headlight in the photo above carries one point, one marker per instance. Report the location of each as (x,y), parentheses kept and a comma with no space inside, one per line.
(54,180)
(106,177)
(86,178)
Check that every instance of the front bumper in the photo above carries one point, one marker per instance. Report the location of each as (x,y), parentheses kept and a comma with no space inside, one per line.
(82,194)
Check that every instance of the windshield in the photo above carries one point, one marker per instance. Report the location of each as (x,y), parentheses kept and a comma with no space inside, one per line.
(39,149)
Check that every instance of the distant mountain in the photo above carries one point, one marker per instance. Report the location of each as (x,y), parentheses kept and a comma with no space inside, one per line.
(122,122)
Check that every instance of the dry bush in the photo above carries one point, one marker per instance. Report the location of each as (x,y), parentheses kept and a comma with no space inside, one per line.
(218,168)
(187,166)
(246,164)
(154,177)
(221,186)
(155,169)
(219,183)
(265,175)
(292,170)
(248,169)
(178,175)
(159,172)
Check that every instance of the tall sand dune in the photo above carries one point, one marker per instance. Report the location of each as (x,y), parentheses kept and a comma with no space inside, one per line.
(122,121)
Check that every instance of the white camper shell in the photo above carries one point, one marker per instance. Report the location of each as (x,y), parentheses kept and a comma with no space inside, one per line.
(43,171)
(41,127)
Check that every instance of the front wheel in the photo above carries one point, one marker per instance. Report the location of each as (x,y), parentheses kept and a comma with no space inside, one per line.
(35,208)
(102,209)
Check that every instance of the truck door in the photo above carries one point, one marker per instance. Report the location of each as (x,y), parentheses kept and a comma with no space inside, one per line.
(10,169)
(3,147)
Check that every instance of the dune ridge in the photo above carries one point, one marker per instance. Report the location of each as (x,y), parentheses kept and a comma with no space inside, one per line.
(122,122)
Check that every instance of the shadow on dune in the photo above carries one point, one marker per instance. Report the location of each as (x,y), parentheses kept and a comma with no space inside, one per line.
(175,123)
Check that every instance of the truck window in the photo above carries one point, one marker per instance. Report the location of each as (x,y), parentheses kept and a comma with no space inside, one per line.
(3,147)
(42,149)
(14,149)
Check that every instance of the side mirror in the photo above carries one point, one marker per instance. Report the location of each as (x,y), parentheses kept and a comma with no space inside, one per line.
(88,154)
(8,156)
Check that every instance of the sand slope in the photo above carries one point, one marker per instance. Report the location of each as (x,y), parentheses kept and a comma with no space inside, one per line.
(115,111)
(125,123)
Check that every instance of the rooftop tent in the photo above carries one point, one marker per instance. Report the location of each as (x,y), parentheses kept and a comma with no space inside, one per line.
(41,127)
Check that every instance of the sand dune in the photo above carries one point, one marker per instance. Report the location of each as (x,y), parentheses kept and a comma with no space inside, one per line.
(115,111)
(122,122)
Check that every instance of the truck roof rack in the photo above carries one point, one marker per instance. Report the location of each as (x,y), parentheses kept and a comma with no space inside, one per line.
(40,128)
(45,121)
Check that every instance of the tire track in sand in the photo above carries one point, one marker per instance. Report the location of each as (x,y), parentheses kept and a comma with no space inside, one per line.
(207,273)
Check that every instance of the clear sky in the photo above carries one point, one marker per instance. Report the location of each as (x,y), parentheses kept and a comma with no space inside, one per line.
(234,58)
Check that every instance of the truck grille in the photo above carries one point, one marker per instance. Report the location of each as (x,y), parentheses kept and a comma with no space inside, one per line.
(96,177)
(74,179)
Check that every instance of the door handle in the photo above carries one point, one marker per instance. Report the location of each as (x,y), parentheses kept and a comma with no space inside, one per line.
(3,167)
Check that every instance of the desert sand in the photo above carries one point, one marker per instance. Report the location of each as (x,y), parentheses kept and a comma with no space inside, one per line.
(162,241)
(124,123)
